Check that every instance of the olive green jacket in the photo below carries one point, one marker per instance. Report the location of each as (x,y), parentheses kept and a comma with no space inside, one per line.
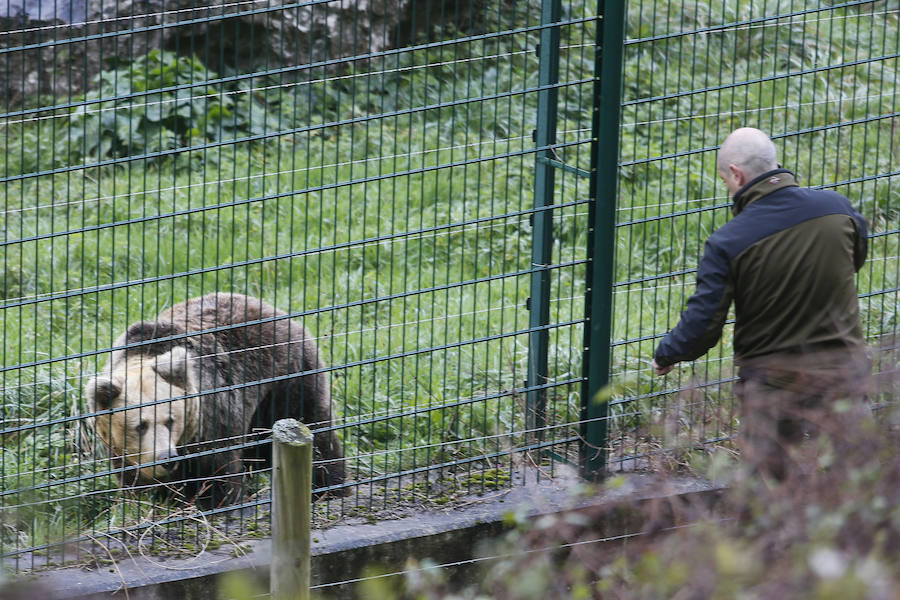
(788,260)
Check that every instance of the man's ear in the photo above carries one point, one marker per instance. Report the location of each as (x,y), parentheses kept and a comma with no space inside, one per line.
(738,174)
(175,368)
(101,392)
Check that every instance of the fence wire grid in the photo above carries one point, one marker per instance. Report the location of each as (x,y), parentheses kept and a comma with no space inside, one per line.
(412,183)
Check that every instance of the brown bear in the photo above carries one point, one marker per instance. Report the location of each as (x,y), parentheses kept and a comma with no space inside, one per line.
(202,379)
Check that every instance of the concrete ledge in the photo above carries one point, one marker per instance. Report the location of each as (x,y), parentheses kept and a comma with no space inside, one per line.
(341,553)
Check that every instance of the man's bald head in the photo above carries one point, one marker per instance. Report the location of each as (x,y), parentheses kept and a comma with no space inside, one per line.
(745,154)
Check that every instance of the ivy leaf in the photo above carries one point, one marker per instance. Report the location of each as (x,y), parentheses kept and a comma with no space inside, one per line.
(156,108)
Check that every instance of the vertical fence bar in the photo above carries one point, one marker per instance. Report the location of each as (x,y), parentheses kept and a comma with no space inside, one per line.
(542,248)
(601,235)
(291,506)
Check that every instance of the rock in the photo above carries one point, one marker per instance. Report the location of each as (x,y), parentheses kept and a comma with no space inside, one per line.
(57,46)
(63,11)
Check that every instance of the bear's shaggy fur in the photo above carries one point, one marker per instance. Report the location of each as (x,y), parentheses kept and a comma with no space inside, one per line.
(191,377)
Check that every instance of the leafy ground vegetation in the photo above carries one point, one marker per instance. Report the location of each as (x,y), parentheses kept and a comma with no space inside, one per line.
(335,194)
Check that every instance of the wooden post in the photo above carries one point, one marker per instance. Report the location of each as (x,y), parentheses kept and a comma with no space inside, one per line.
(292,451)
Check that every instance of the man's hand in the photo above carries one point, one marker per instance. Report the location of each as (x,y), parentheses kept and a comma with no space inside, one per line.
(661,370)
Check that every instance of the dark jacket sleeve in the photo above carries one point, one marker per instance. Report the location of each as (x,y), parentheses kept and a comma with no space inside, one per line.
(861,244)
(701,322)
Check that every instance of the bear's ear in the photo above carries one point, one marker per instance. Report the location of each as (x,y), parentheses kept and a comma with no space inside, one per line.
(101,392)
(149,330)
(174,367)
(144,331)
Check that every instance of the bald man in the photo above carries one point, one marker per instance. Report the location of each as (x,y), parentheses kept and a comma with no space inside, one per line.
(788,261)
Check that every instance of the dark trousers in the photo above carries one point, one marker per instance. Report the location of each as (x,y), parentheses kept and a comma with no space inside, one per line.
(790,399)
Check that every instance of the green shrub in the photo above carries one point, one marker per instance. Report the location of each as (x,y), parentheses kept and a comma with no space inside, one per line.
(147,109)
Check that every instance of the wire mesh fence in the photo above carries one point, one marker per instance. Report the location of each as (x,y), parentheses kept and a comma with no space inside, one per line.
(406,186)
(822,81)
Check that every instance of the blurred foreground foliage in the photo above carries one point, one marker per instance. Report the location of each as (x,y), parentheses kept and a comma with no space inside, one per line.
(830,530)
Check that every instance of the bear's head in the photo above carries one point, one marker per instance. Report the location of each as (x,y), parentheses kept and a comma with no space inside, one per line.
(154,429)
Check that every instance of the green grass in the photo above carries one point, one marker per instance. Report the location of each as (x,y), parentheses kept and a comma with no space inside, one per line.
(312,219)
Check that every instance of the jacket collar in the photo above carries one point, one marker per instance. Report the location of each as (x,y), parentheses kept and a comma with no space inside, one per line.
(762,186)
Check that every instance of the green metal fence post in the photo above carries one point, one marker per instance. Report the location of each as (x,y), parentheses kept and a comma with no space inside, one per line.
(601,236)
(541,253)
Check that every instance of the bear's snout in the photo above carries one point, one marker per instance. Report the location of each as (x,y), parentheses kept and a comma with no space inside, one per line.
(167,455)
